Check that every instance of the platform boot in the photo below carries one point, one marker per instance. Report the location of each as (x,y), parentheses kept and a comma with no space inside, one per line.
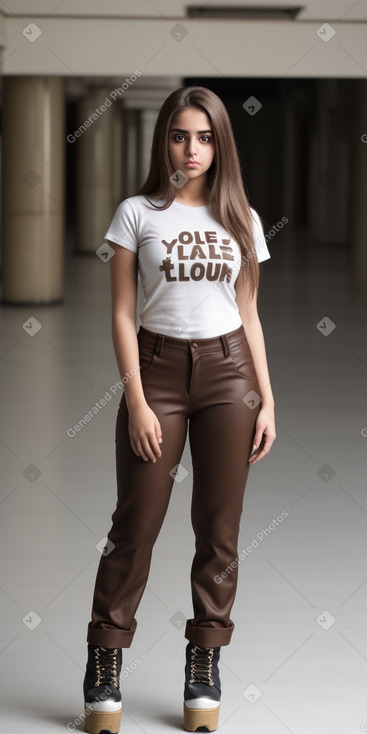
(101,686)
(202,690)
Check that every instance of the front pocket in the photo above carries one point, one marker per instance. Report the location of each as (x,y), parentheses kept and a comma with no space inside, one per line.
(146,357)
(242,360)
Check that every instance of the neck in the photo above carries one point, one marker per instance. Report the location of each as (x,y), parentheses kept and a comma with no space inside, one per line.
(193,192)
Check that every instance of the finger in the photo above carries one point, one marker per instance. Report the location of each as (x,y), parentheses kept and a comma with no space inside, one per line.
(256,452)
(151,447)
(254,459)
(155,446)
(257,442)
(140,449)
(260,455)
(158,433)
(133,446)
(148,453)
(258,438)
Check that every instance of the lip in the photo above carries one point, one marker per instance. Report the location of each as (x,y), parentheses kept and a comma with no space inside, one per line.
(192,163)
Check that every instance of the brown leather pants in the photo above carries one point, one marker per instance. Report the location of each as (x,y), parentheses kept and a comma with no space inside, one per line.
(212,382)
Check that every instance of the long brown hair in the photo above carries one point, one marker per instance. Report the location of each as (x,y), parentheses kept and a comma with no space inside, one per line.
(228,203)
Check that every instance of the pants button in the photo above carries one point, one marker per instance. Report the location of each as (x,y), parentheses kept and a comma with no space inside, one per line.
(194,344)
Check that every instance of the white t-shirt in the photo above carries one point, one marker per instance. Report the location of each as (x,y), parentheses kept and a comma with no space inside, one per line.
(188,266)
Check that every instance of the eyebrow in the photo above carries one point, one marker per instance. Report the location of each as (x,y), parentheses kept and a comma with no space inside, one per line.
(179,130)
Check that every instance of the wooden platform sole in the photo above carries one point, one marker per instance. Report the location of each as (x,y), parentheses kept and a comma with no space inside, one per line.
(97,721)
(193,718)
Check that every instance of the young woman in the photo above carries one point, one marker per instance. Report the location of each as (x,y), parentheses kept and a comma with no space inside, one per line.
(198,356)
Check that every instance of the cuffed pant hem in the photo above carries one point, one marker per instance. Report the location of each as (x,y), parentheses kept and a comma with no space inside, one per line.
(208,636)
(110,637)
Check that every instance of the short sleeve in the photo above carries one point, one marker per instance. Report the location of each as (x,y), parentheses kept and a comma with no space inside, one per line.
(123,229)
(260,241)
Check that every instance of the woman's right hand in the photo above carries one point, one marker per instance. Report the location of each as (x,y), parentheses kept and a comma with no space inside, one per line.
(145,432)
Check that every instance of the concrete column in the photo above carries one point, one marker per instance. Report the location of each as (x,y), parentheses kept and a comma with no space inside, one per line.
(147,122)
(118,156)
(130,151)
(95,168)
(358,188)
(141,105)
(138,138)
(33,189)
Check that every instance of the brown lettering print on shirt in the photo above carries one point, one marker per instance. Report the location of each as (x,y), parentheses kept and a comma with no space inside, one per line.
(189,248)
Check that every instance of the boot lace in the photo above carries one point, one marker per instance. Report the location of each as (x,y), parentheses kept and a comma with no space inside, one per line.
(201,665)
(106,666)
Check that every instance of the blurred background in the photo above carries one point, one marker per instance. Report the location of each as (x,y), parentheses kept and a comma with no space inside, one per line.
(81,86)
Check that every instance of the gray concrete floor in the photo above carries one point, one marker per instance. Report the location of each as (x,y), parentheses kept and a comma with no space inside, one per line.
(298,658)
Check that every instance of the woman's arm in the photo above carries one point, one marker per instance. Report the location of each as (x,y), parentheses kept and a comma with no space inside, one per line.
(124,283)
(144,427)
(265,429)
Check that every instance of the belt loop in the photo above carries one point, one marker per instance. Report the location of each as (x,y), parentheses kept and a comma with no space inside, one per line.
(159,344)
(225,345)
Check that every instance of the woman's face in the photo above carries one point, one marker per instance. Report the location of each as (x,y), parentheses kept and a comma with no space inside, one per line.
(191,138)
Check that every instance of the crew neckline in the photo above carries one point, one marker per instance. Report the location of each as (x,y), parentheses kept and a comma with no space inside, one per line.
(187,206)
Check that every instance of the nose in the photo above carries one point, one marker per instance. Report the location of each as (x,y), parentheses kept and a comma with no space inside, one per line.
(191,146)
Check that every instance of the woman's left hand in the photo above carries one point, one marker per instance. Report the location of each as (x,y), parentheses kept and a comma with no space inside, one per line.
(265,433)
